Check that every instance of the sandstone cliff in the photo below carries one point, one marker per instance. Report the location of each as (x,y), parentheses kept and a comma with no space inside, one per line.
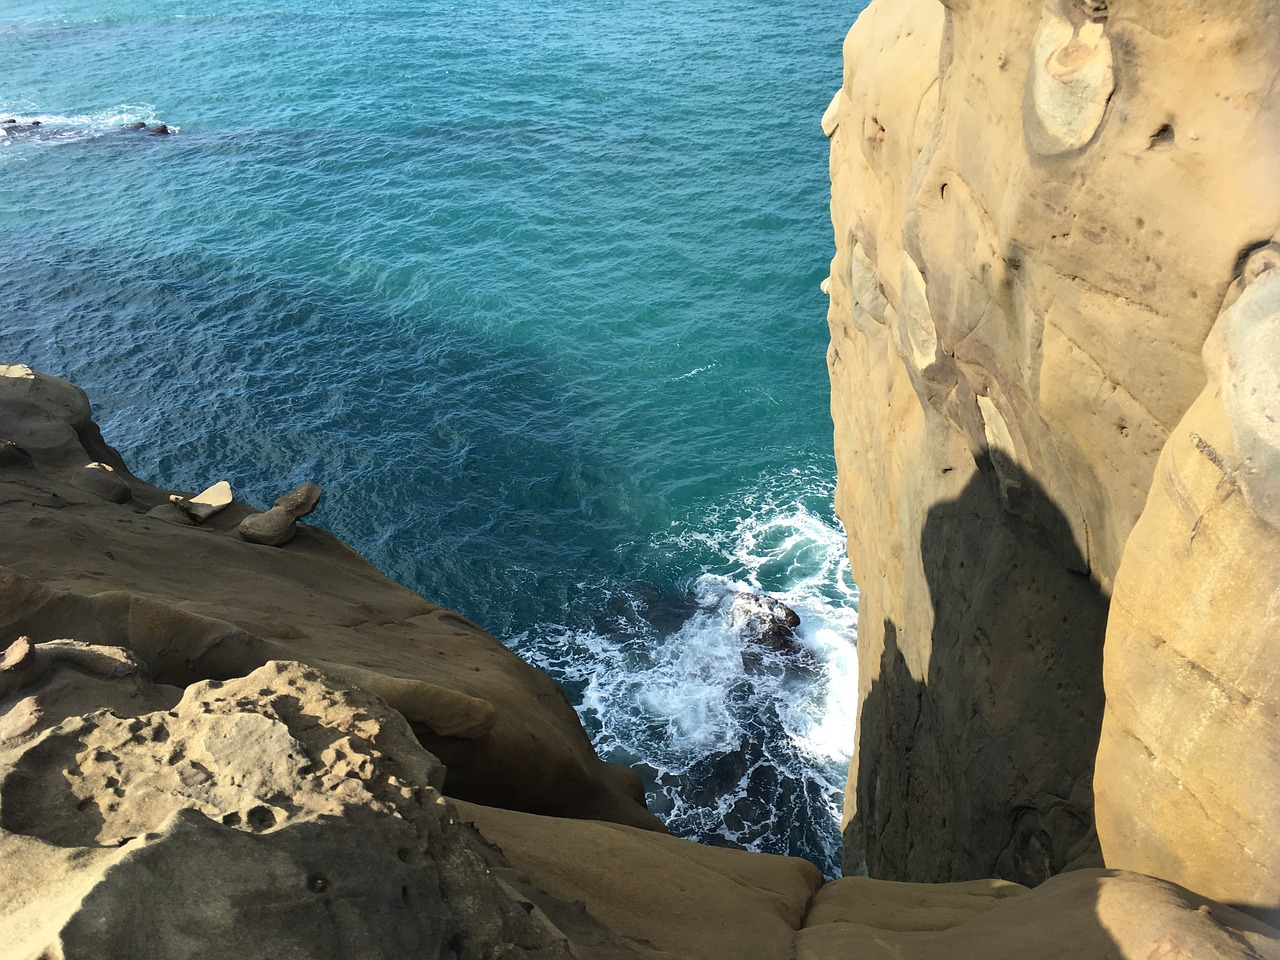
(1039,210)
(1055,321)
(174,783)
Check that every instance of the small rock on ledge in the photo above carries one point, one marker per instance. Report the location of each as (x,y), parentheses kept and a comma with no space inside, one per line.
(277,526)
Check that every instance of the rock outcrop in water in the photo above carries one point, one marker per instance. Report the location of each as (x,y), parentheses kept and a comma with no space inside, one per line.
(1041,211)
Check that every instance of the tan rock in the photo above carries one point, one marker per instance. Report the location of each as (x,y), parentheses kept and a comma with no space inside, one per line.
(282,814)
(1038,209)
(1083,914)
(197,603)
(620,892)
(888,905)
(1189,762)
(617,892)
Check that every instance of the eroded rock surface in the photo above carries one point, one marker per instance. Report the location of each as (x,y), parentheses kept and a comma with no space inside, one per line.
(1189,762)
(1038,209)
(282,814)
(197,602)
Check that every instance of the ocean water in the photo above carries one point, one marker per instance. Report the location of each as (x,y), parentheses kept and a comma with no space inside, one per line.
(531,289)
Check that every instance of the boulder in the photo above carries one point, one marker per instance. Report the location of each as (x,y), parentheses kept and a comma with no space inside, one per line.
(277,526)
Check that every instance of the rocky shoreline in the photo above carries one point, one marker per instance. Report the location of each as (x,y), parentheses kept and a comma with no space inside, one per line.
(211,747)
(224,734)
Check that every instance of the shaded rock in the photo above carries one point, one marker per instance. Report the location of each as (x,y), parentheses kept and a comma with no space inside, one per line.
(12,455)
(101,480)
(763,619)
(447,713)
(282,814)
(172,513)
(48,420)
(278,525)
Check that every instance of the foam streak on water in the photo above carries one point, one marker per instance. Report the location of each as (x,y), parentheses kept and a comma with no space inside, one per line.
(531,289)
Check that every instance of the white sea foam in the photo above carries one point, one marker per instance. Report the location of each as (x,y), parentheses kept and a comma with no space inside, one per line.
(695,371)
(728,732)
(61,127)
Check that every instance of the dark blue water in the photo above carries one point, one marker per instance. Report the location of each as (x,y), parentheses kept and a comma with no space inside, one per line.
(531,289)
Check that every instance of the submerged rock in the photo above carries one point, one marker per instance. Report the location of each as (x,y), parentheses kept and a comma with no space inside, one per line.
(759,618)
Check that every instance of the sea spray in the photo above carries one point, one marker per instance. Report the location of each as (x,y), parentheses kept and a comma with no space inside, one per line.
(741,744)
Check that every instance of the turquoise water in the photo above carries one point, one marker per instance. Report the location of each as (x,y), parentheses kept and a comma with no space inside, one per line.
(531,289)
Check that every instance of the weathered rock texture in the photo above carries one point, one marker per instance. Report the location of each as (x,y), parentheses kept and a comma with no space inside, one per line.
(1188,775)
(1038,209)
(199,603)
(284,814)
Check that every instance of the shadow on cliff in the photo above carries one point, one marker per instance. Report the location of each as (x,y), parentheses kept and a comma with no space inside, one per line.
(977,738)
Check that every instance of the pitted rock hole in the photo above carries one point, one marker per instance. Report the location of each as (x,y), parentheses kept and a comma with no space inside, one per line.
(45,796)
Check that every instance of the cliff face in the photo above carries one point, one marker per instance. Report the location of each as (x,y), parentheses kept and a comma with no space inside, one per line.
(226,758)
(1038,210)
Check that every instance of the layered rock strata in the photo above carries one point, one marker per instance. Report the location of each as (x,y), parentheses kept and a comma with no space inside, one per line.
(1038,211)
